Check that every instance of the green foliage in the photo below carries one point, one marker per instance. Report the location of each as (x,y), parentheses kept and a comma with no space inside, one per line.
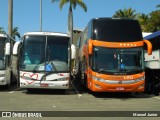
(15,33)
(129,13)
(73,4)
(2,30)
(149,22)
(143,20)
(153,21)
(158,6)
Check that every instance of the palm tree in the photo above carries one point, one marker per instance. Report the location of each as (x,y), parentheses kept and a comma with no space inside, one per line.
(10,16)
(72,4)
(143,20)
(130,13)
(2,30)
(158,6)
(15,33)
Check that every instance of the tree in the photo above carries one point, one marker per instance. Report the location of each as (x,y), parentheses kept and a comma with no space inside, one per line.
(15,33)
(2,30)
(130,13)
(158,6)
(72,4)
(143,20)
(10,16)
(150,22)
(154,21)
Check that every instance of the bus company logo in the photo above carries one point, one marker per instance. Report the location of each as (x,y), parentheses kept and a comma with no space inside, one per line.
(61,74)
(115,78)
(29,77)
(128,77)
(120,82)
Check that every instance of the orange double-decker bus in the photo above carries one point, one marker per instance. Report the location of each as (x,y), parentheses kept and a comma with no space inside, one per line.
(111,55)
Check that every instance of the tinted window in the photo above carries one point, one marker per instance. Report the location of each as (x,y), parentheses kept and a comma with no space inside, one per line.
(116,30)
(39,52)
(117,61)
(57,48)
(2,49)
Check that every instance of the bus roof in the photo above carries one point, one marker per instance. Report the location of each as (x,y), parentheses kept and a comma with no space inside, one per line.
(46,33)
(112,18)
(153,35)
(114,29)
(154,38)
(3,35)
(146,34)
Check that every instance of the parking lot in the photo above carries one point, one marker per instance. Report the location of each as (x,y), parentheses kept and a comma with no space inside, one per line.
(76,99)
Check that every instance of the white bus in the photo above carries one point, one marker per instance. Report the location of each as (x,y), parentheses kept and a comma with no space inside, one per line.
(6,44)
(152,64)
(44,60)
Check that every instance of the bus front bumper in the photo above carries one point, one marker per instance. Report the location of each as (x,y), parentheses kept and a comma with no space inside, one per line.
(45,84)
(97,86)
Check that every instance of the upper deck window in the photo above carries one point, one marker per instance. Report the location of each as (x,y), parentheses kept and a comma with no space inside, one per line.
(116,30)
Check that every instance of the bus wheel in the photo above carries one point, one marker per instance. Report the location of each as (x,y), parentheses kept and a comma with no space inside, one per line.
(7,86)
(84,80)
(63,91)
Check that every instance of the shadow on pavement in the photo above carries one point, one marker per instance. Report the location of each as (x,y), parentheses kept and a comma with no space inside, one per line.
(12,87)
(121,95)
(46,92)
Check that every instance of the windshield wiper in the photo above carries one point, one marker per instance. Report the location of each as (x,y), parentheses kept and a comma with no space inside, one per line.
(123,70)
(102,70)
(53,66)
(34,70)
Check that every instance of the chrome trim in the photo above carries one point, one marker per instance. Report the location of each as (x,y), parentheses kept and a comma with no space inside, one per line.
(118,81)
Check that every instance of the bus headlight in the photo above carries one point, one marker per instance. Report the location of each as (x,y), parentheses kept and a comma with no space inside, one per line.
(2,75)
(140,79)
(63,79)
(98,79)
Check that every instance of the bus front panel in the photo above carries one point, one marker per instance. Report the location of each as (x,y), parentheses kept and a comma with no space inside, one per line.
(45,62)
(113,69)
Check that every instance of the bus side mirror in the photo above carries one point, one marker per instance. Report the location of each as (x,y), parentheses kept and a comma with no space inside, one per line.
(90,48)
(15,48)
(149,47)
(7,50)
(73,52)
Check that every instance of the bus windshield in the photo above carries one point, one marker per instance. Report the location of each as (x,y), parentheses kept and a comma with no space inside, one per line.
(2,58)
(45,53)
(117,61)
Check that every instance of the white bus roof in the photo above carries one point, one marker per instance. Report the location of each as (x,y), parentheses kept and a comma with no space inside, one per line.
(145,34)
(153,35)
(3,35)
(46,33)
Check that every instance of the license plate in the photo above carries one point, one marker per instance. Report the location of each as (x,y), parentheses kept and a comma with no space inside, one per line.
(44,85)
(120,88)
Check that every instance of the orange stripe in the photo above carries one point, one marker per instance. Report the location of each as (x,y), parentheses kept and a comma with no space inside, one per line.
(117,44)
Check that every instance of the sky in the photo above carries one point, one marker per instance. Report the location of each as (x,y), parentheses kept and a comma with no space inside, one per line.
(26,13)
